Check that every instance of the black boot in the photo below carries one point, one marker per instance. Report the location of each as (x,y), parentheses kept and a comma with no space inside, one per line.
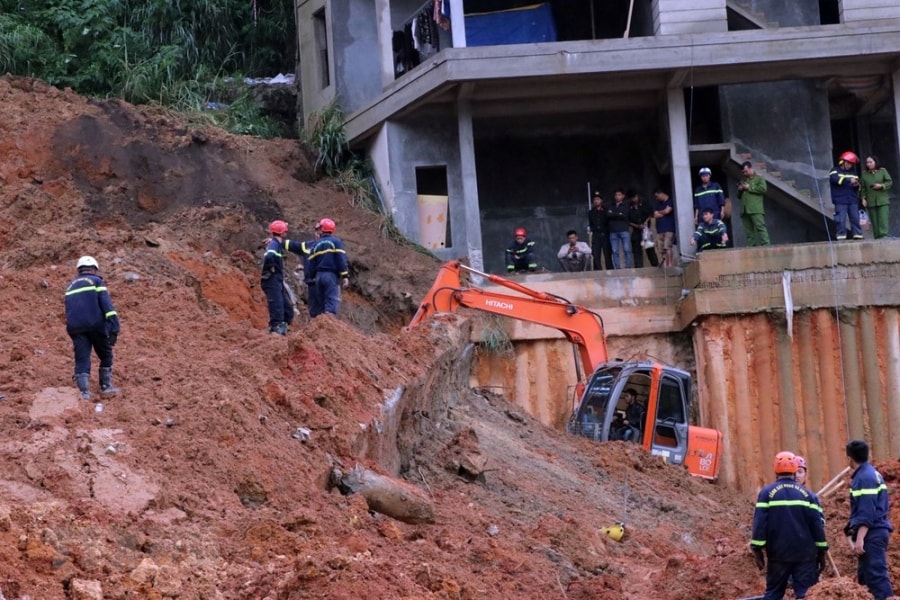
(83,381)
(280,328)
(106,386)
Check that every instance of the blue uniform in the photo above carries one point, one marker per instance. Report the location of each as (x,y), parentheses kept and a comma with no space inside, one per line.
(272,280)
(327,265)
(710,196)
(90,320)
(845,197)
(710,235)
(869,507)
(520,257)
(789,526)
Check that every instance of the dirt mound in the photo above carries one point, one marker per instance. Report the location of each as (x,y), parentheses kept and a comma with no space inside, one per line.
(211,475)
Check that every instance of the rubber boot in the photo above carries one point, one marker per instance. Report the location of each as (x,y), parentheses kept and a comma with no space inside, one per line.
(280,328)
(106,386)
(83,381)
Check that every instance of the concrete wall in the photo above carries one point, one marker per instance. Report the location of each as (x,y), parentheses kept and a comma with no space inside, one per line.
(428,142)
(356,52)
(315,97)
(689,16)
(867,10)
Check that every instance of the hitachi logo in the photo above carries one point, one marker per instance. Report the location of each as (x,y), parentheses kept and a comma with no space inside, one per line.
(499,304)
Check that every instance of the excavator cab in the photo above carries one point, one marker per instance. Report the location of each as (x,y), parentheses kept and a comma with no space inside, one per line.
(663,399)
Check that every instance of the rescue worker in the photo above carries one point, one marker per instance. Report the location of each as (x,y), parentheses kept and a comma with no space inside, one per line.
(711,233)
(869,526)
(708,194)
(520,254)
(313,303)
(788,526)
(91,322)
(278,300)
(327,267)
(845,196)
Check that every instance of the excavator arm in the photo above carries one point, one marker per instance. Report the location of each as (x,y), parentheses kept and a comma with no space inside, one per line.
(581,326)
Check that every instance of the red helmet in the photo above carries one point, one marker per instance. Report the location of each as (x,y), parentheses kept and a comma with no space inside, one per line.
(326,225)
(278,227)
(520,231)
(801,462)
(850,157)
(785,463)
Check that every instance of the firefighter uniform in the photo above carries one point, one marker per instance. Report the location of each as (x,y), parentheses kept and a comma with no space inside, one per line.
(789,526)
(327,266)
(281,310)
(520,257)
(710,235)
(92,323)
(869,508)
(845,197)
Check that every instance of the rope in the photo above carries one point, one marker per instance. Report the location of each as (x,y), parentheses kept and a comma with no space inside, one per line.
(833,256)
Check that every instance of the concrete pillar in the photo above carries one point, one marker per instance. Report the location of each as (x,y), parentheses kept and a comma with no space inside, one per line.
(469,201)
(896,80)
(457,23)
(681,170)
(385,41)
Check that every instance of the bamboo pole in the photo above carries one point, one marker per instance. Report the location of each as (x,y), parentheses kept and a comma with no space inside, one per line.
(836,480)
(828,489)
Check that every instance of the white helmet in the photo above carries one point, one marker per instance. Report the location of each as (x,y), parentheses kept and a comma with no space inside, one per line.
(87,261)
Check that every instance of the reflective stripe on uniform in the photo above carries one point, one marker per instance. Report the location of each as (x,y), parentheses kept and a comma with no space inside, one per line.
(84,289)
(869,491)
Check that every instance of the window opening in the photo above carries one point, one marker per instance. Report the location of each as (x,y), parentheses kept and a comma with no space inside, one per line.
(434,207)
(320,29)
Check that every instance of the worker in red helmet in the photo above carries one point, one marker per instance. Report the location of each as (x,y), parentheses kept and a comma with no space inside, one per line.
(788,527)
(327,268)
(278,296)
(520,254)
(845,196)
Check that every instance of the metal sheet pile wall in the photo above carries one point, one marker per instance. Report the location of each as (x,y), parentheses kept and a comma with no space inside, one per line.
(837,378)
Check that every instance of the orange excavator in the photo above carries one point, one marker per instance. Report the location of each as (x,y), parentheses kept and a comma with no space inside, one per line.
(605,388)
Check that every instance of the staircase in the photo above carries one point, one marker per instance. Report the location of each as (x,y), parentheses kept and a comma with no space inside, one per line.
(741,17)
(800,201)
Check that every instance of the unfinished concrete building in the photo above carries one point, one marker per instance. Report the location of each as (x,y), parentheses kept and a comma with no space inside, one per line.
(483,115)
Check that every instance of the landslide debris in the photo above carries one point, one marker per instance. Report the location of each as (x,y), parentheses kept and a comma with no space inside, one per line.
(211,475)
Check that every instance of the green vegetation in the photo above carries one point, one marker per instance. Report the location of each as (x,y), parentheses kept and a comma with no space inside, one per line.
(179,53)
(494,338)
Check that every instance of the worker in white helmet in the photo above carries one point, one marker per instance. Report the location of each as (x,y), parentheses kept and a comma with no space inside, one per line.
(92,323)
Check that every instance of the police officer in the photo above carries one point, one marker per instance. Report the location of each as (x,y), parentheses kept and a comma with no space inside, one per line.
(327,267)
(788,526)
(869,527)
(281,309)
(91,322)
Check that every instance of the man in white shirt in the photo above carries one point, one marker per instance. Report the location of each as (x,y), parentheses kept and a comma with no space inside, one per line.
(574,255)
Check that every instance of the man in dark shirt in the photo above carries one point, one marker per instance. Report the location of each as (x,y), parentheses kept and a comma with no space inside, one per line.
(619,236)
(639,214)
(599,225)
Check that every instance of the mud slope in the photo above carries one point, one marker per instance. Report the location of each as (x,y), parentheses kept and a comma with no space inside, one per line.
(194,485)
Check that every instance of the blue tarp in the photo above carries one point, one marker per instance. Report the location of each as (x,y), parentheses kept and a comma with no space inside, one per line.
(525,25)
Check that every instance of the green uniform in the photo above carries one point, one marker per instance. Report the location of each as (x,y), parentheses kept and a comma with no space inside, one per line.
(877,201)
(753,213)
